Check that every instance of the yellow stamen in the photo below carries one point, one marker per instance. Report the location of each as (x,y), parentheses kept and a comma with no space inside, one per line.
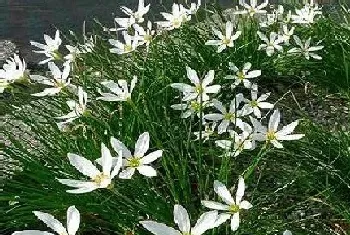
(234,209)
(270,135)
(134,161)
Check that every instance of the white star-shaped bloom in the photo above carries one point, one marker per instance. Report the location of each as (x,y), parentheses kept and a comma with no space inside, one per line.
(232,207)
(145,36)
(98,179)
(226,118)
(174,20)
(253,8)
(255,104)
(307,14)
(137,15)
(243,76)
(271,44)
(131,43)
(305,49)
(50,49)
(77,109)
(287,33)
(191,108)
(60,80)
(138,161)
(271,135)
(201,89)
(119,91)
(205,222)
(73,222)
(13,70)
(237,142)
(226,39)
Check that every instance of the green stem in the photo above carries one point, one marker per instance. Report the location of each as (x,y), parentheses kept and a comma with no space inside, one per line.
(255,162)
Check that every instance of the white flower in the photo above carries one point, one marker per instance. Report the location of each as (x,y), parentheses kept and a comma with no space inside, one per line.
(242,76)
(137,15)
(119,91)
(73,222)
(98,179)
(240,141)
(253,8)
(60,80)
(131,42)
(88,46)
(268,19)
(271,135)
(287,232)
(306,15)
(201,88)
(50,49)
(194,7)
(270,44)
(207,132)
(226,39)
(287,33)
(13,70)
(124,23)
(73,53)
(305,49)
(174,20)
(205,222)
(255,104)
(137,161)
(77,108)
(191,107)
(232,207)
(145,36)
(226,118)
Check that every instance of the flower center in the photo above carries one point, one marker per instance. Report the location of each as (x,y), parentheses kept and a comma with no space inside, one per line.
(199,89)
(196,106)
(229,116)
(270,135)
(234,209)
(56,55)
(254,103)
(147,38)
(100,179)
(226,41)
(186,233)
(134,161)
(240,75)
(58,84)
(252,11)
(127,48)
(176,23)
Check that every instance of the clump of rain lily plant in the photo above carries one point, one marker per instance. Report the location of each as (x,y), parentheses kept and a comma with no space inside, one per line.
(224,108)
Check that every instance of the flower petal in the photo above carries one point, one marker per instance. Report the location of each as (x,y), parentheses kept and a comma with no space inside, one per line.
(142,145)
(181,218)
(151,157)
(83,165)
(127,173)
(106,160)
(235,221)
(215,205)
(51,222)
(159,228)
(223,192)
(119,146)
(205,222)
(73,220)
(147,170)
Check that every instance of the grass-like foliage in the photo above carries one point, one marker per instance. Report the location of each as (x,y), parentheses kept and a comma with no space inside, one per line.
(303,187)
